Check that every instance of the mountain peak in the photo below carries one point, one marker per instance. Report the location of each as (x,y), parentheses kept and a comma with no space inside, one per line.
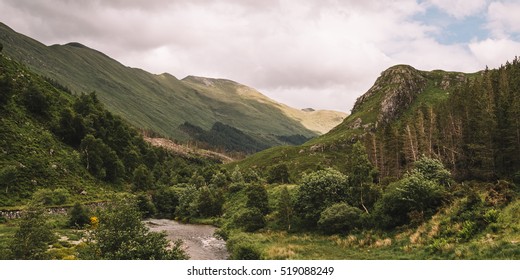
(76,45)
(396,88)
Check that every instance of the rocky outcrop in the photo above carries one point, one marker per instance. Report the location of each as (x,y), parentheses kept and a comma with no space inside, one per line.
(399,86)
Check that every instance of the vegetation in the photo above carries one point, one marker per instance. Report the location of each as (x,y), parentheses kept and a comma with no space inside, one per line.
(122,236)
(426,167)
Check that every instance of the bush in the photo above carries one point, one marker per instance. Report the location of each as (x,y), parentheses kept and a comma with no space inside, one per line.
(414,193)
(78,216)
(165,201)
(278,174)
(51,197)
(257,198)
(246,252)
(249,219)
(33,237)
(122,236)
(145,205)
(340,218)
(318,191)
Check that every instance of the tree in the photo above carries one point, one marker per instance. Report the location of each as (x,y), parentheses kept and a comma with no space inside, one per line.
(36,101)
(209,202)
(122,236)
(318,191)
(165,201)
(285,209)
(433,169)
(278,174)
(142,178)
(33,237)
(5,89)
(145,205)
(360,177)
(257,198)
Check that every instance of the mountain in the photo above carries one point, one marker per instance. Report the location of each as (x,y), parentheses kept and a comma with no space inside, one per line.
(64,148)
(162,103)
(469,121)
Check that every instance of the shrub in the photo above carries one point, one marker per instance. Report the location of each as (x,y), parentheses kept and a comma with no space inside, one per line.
(246,252)
(165,201)
(414,193)
(51,197)
(78,216)
(145,205)
(340,218)
(257,198)
(249,220)
(122,236)
(318,191)
(33,237)
(278,174)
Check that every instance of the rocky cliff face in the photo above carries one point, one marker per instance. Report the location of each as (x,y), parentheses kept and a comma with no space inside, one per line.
(399,86)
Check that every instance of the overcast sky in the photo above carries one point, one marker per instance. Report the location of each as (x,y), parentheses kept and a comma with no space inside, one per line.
(316,53)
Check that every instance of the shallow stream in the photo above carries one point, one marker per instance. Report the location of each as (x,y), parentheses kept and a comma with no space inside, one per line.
(198,240)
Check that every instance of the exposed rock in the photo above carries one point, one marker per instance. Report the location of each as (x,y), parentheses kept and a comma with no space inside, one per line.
(356,124)
(399,86)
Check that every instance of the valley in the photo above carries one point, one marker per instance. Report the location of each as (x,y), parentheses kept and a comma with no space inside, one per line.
(427,165)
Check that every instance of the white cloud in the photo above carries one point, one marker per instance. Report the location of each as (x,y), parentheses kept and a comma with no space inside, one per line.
(495,52)
(503,18)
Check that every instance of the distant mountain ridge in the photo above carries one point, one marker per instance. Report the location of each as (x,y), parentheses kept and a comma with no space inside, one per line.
(162,103)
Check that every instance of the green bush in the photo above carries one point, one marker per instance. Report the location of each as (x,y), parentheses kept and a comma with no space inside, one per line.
(318,191)
(278,174)
(246,252)
(51,197)
(257,198)
(78,216)
(414,193)
(145,205)
(249,220)
(165,201)
(122,236)
(33,237)
(339,218)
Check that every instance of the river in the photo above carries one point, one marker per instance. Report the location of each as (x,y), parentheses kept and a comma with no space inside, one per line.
(198,240)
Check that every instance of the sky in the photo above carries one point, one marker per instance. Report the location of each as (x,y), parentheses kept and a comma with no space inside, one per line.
(305,53)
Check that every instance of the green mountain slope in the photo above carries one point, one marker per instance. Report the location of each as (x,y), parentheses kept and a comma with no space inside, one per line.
(469,121)
(69,148)
(162,103)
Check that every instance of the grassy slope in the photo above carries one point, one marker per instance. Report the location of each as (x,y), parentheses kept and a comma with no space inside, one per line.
(157,102)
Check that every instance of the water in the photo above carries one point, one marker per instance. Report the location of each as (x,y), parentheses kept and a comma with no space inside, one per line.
(198,240)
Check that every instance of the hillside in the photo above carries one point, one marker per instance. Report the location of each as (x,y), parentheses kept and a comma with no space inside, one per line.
(63,148)
(162,103)
(466,120)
